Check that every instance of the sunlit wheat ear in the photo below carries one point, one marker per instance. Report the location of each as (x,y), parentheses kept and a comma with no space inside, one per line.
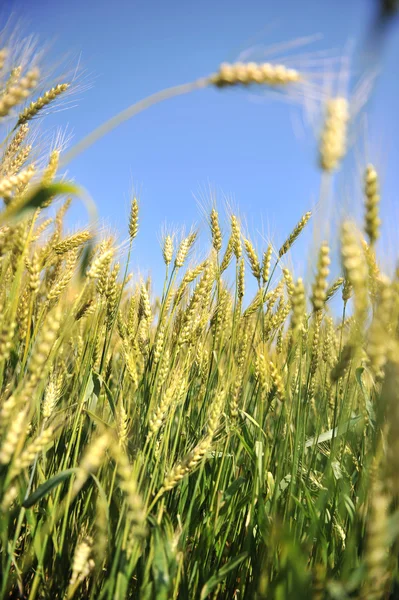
(189,276)
(112,293)
(36,106)
(298,304)
(347,291)
(279,342)
(215,230)
(23,312)
(136,514)
(188,464)
(334,287)
(329,344)
(100,263)
(198,302)
(134,219)
(343,362)
(355,267)
(12,152)
(333,142)
(72,242)
(12,437)
(9,498)
(236,237)
(19,160)
(215,412)
(6,338)
(19,92)
(227,255)
(340,112)
(184,248)
(61,284)
(157,418)
(273,295)
(373,269)
(241,280)
(50,172)
(277,382)
(82,563)
(59,217)
(9,185)
(44,345)
(377,542)
(52,394)
(130,361)
(13,77)
(278,318)
(262,375)
(159,344)
(145,311)
(220,317)
(253,259)
(253,73)
(40,229)
(91,460)
(319,290)
(8,407)
(379,338)
(295,234)
(390,410)
(167,249)
(132,313)
(278,71)
(34,267)
(315,354)
(371,191)
(238,383)
(28,455)
(265,269)
(101,537)
(122,425)
(289,282)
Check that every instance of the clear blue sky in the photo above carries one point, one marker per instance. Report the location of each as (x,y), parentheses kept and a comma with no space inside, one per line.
(172,152)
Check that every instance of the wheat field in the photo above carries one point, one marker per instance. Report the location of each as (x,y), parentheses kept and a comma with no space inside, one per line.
(190,442)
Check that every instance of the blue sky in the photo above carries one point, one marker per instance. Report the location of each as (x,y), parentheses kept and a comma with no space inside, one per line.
(247,151)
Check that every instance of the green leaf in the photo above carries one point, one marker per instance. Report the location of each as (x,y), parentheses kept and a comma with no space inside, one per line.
(51,483)
(336,469)
(86,258)
(369,406)
(160,567)
(245,440)
(96,418)
(221,574)
(233,488)
(47,486)
(338,431)
(38,196)
(284,483)
(252,420)
(98,383)
(110,398)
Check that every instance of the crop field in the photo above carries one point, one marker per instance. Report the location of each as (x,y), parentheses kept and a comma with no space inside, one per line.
(198,440)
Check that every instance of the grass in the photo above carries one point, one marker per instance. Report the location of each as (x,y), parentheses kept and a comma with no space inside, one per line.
(189,444)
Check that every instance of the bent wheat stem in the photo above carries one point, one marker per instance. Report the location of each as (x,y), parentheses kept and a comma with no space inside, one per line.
(128,113)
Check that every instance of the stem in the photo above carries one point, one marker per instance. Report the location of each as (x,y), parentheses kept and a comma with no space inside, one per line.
(130,112)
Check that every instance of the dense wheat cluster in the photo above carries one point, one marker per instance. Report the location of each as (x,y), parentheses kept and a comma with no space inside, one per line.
(196,443)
